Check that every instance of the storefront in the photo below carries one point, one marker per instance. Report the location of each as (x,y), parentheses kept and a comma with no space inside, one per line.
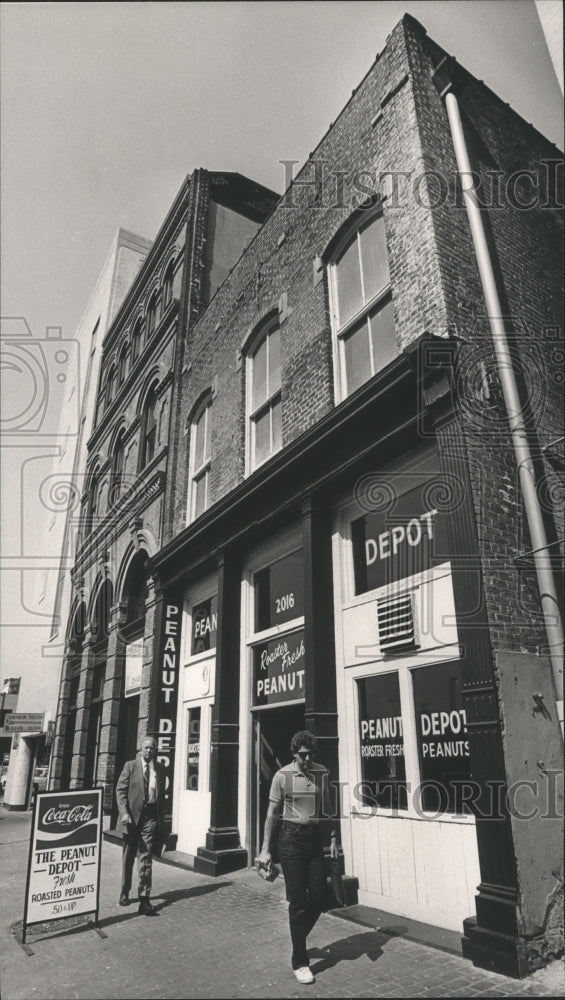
(273,674)
(191,804)
(407,831)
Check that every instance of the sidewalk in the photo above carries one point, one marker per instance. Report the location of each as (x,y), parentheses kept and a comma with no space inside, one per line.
(219,938)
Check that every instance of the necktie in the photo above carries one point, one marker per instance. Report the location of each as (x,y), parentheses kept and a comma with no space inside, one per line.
(146,782)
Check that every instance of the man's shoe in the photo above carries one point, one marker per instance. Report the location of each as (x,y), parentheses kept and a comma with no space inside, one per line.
(304,975)
(124,899)
(146,908)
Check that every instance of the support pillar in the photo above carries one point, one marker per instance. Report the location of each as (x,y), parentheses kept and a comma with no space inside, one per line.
(223,852)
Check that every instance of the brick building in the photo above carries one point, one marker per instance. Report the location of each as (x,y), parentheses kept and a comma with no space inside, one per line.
(340,537)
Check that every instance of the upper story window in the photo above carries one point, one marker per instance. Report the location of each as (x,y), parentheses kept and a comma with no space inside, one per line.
(168,285)
(111,385)
(118,466)
(151,316)
(264,396)
(149,428)
(362,312)
(93,503)
(136,340)
(123,364)
(200,461)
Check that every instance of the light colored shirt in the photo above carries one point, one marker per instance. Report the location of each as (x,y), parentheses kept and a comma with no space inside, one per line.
(302,795)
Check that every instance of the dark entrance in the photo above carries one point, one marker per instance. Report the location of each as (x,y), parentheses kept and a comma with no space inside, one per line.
(273,729)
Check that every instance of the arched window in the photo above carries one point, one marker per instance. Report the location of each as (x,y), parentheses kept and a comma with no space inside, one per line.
(200,461)
(136,340)
(118,468)
(168,285)
(111,385)
(92,511)
(149,428)
(151,316)
(264,413)
(362,312)
(123,364)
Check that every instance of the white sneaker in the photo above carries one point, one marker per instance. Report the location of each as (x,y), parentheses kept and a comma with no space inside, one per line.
(304,975)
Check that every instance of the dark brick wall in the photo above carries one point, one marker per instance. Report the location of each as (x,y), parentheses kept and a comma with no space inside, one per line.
(526,248)
(395,122)
(376,132)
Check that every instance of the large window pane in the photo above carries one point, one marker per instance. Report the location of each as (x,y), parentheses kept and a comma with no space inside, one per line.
(193,750)
(349,293)
(279,592)
(200,494)
(383,338)
(274,361)
(259,375)
(374,258)
(357,357)
(382,743)
(276,415)
(263,436)
(200,441)
(443,746)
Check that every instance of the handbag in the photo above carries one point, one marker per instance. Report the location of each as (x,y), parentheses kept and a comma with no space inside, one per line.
(338,888)
(267,872)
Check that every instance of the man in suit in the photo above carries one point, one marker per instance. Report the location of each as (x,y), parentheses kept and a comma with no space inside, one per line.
(140,793)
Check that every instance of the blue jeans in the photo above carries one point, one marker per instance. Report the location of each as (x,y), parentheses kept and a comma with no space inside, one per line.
(302,859)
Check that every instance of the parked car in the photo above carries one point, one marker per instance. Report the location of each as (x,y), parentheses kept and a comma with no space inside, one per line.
(40,778)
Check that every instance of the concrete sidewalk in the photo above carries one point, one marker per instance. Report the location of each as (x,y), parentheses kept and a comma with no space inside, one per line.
(218,938)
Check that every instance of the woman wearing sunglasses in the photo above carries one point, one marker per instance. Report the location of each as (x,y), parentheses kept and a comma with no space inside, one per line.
(300,790)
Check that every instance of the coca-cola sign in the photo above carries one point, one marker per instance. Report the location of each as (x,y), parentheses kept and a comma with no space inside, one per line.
(64,858)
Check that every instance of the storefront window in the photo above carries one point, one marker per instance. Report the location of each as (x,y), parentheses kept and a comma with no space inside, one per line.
(279,592)
(383,768)
(405,536)
(193,751)
(443,746)
(204,625)
(278,670)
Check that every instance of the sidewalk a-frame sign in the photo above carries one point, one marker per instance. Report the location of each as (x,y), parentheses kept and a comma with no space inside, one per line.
(63,873)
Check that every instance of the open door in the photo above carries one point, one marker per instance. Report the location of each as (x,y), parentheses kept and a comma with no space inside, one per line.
(273,730)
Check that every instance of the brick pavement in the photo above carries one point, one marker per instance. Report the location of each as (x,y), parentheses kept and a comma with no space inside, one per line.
(219,938)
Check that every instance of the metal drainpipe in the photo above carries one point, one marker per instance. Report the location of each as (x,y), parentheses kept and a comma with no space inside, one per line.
(546,583)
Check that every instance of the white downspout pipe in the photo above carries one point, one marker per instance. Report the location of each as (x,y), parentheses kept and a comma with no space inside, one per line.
(546,582)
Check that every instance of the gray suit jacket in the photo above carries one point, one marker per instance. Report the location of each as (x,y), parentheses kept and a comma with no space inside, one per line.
(130,793)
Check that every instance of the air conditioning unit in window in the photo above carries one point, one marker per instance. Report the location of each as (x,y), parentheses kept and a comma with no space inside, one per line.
(397,625)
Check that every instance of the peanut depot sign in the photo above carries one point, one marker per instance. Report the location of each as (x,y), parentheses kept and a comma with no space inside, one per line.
(63,875)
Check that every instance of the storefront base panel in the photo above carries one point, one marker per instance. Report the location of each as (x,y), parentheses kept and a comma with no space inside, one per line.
(494,951)
(219,862)
(413,911)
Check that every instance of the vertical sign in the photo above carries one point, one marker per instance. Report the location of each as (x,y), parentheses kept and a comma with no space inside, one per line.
(63,875)
(169,665)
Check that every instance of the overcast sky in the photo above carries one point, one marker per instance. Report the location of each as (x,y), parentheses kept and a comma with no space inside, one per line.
(107,106)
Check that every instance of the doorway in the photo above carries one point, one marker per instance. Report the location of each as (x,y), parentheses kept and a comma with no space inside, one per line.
(273,729)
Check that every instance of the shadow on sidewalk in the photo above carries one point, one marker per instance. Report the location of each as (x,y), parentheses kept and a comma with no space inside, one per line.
(163,899)
(348,950)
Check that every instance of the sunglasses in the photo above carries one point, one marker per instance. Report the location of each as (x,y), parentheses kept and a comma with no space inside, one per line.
(303,754)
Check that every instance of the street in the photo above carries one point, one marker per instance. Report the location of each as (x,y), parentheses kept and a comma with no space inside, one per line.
(218,938)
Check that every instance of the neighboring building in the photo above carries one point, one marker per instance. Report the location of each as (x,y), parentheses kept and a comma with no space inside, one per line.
(58,503)
(331,530)
(106,680)
(550,13)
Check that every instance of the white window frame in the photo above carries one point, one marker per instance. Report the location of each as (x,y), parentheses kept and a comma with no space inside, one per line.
(268,403)
(203,470)
(340,331)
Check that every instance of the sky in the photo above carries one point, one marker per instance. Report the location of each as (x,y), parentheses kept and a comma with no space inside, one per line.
(107,106)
